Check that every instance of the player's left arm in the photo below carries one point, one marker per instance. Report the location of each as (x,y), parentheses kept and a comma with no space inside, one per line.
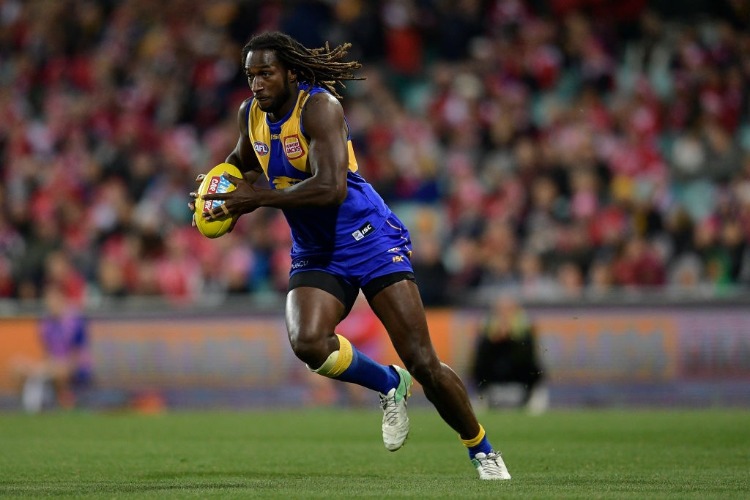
(323,122)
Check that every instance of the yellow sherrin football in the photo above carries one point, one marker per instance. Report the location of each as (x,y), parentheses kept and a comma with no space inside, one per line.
(214,183)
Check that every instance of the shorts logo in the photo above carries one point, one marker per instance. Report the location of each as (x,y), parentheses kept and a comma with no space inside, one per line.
(297,264)
(293,147)
(261,148)
(362,231)
(398,258)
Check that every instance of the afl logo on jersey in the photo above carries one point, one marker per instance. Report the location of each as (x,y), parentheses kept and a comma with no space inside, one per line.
(293,147)
(261,148)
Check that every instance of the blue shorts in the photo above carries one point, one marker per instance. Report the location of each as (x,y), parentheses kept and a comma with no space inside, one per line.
(379,259)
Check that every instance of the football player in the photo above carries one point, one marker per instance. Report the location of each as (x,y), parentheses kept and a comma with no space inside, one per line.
(345,238)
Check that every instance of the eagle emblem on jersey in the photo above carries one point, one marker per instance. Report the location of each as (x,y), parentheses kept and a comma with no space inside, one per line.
(293,147)
(283,182)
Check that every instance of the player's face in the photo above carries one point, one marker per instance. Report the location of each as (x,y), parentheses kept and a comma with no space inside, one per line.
(269,81)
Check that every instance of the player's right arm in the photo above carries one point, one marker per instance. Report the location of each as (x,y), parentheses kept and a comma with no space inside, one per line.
(243,156)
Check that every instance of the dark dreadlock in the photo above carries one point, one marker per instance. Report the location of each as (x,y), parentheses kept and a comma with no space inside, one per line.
(321,66)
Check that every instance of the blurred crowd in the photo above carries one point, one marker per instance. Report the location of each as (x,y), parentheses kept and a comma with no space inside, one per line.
(557,149)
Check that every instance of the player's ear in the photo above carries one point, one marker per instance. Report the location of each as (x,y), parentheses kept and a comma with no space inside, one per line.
(292,75)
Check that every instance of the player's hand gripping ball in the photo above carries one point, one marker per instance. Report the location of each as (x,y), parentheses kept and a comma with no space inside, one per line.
(214,183)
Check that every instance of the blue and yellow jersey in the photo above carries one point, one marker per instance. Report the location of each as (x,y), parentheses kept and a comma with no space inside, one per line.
(282,148)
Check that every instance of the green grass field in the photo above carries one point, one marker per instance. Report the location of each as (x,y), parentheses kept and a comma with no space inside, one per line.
(339,454)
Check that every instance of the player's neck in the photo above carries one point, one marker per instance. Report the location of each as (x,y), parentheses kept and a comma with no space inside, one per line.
(285,108)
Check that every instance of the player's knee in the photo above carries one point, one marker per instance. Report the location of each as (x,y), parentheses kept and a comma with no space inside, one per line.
(311,349)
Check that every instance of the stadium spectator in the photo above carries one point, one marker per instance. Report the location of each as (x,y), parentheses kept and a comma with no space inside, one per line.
(65,367)
(506,366)
(538,114)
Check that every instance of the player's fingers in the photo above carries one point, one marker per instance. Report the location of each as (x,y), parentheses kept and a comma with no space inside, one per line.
(192,222)
(232,179)
(215,196)
(217,212)
(200,177)
(191,204)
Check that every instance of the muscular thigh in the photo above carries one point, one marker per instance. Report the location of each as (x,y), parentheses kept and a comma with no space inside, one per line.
(312,313)
(399,308)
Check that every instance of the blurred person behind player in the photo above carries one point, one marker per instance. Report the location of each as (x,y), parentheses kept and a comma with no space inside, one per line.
(345,238)
(66,364)
(507,368)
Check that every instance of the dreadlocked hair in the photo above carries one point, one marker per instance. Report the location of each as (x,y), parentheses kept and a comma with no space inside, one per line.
(322,66)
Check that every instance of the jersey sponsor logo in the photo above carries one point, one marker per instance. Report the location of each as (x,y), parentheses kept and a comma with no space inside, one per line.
(293,147)
(362,231)
(261,148)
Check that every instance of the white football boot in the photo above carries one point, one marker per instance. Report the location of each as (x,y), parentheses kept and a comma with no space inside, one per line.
(395,419)
(490,466)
